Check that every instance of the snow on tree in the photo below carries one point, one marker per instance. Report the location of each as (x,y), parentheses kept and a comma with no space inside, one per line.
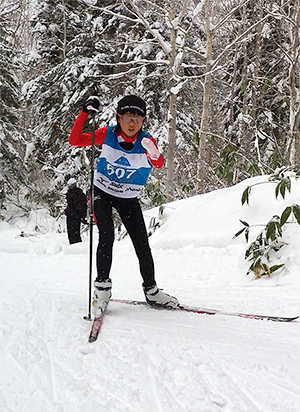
(220,79)
(12,145)
(258,109)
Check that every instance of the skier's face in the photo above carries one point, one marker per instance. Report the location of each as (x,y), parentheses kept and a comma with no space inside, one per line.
(130,123)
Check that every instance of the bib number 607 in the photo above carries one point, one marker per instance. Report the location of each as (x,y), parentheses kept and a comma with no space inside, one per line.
(119,172)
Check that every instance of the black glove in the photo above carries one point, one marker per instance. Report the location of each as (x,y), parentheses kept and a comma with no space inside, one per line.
(92,105)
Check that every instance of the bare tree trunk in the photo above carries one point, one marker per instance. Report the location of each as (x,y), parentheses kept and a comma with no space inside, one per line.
(255,87)
(64,42)
(172,108)
(206,101)
(171,140)
(294,78)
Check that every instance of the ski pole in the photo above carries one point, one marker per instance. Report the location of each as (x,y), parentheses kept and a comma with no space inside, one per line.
(88,317)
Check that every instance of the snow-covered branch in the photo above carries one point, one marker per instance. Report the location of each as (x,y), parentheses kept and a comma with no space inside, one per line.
(241,37)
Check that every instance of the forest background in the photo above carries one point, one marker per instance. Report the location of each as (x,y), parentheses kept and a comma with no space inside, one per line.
(221,80)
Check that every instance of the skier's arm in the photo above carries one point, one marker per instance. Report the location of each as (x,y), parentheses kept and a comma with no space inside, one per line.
(155,157)
(78,138)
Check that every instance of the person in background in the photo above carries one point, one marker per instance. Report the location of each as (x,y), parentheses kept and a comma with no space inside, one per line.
(127,157)
(75,211)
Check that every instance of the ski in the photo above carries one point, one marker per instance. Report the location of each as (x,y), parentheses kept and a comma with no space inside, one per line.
(204,311)
(96,326)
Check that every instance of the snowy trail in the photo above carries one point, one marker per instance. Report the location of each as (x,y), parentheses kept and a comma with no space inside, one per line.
(144,359)
(147,360)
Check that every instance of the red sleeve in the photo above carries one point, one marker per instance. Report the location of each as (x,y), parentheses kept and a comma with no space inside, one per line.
(158,163)
(78,138)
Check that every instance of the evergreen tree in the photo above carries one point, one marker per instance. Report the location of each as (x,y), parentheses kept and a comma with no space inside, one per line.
(98,50)
(256,111)
(12,145)
(158,50)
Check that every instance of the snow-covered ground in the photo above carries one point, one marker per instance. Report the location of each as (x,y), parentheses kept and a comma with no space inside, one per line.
(147,360)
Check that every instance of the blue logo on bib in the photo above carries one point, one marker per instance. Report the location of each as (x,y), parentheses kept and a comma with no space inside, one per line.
(122,161)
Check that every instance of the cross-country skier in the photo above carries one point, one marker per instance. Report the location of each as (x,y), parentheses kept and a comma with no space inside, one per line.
(127,157)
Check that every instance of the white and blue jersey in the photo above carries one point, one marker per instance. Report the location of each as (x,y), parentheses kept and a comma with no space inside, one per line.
(120,172)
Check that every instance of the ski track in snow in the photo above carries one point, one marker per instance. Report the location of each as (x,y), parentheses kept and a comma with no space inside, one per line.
(145,360)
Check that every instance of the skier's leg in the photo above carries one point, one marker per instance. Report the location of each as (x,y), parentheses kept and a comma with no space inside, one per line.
(132,217)
(133,220)
(103,215)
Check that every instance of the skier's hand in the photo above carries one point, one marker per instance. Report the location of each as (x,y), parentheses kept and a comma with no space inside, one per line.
(91,105)
(152,150)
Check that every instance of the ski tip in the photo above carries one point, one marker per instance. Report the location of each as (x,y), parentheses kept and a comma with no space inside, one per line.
(282,319)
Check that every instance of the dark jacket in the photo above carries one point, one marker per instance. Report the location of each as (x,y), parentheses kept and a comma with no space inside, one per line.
(76,203)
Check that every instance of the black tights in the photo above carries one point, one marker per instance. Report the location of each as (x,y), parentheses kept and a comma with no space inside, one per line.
(131,215)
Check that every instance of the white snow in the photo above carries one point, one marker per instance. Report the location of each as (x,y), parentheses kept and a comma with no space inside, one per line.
(146,360)
(198,8)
